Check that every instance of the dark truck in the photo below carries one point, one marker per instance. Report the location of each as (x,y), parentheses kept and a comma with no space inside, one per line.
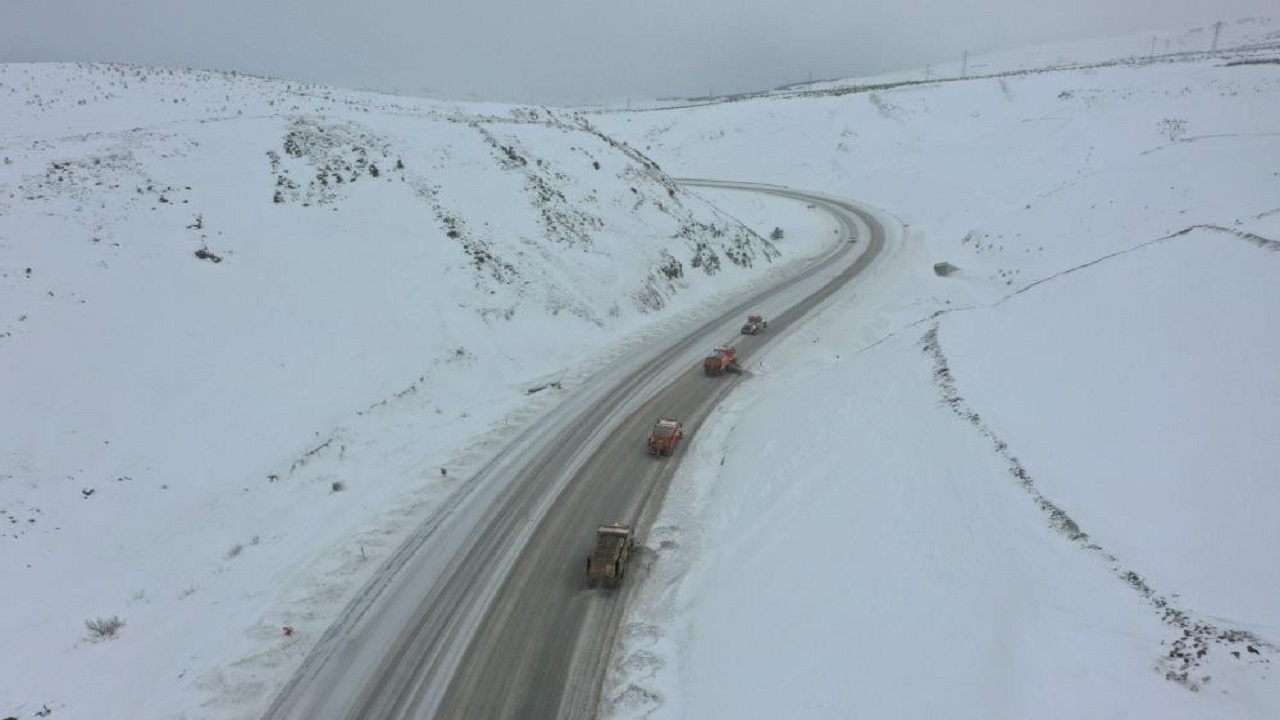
(607,562)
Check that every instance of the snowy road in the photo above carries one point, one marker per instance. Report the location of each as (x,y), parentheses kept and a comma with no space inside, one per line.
(483,612)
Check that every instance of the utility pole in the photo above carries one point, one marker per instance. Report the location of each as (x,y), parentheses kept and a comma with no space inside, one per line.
(964,65)
(1217,28)
(1153,46)
(927,68)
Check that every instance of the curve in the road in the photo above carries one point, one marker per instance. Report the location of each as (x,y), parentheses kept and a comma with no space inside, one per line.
(496,621)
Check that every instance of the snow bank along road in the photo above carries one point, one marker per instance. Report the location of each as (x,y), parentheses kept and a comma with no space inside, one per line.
(484,612)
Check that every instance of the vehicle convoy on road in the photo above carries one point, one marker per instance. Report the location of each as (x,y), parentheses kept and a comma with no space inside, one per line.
(755,325)
(665,436)
(724,358)
(431,633)
(607,563)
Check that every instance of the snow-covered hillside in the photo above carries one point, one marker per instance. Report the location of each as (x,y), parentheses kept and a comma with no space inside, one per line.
(1043,486)
(244,324)
(252,332)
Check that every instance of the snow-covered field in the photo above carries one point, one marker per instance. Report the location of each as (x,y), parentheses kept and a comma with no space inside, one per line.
(245,324)
(1044,486)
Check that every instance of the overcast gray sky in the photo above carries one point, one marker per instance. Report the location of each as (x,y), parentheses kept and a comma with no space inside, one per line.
(566,51)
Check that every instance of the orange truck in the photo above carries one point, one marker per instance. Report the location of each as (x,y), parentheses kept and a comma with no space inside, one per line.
(722,359)
(664,437)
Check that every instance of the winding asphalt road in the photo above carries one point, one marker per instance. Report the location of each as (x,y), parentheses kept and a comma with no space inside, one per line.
(507,627)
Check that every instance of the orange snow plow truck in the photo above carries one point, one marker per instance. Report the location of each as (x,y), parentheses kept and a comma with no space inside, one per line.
(722,359)
(607,562)
(664,437)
